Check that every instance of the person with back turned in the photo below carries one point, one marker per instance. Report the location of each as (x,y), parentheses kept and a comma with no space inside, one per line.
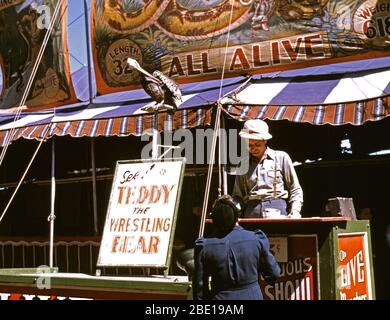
(271,184)
(229,264)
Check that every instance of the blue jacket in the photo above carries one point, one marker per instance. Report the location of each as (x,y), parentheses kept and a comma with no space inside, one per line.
(234,263)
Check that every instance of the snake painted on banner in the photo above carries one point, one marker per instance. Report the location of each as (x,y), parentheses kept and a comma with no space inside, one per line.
(195,23)
(132,20)
(181,19)
(201,19)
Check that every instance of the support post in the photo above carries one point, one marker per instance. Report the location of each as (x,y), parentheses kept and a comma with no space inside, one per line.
(52,216)
(93,165)
(94,192)
(223,155)
(155,137)
(88,50)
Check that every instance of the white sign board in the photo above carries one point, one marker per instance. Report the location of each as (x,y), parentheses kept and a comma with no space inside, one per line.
(141,215)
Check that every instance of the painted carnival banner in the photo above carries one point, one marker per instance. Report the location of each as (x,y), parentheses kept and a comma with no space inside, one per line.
(297,256)
(23,26)
(142,213)
(186,39)
(354,277)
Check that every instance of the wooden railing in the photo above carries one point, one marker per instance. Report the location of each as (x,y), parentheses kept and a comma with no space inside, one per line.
(69,255)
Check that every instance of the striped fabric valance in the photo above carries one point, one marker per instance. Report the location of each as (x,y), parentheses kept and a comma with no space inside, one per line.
(339,94)
(107,127)
(355,113)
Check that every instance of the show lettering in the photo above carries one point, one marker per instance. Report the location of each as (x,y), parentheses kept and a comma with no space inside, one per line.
(373,21)
(143,243)
(295,283)
(353,276)
(140,219)
(139,196)
(140,224)
(250,56)
(144,194)
(298,289)
(354,271)
(298,278)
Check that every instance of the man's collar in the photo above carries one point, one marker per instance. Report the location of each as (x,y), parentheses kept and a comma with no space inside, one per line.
(270,153)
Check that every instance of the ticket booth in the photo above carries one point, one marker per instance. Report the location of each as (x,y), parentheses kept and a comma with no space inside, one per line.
(326,258)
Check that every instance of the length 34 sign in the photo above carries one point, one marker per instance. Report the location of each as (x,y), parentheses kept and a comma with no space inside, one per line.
(141,215)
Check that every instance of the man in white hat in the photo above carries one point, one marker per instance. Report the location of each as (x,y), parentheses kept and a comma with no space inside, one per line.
(271,183)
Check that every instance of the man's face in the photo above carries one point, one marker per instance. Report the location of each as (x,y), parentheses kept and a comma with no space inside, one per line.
(257,147)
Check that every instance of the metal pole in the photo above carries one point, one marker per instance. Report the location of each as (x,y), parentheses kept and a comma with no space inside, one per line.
(94,198)
(88,50)
(155,144)
(223,155)
(155,137)
(52,216)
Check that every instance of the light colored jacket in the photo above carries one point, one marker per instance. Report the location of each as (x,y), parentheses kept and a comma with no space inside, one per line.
(272,178)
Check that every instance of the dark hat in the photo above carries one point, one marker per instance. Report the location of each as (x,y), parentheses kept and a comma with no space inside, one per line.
(225,212)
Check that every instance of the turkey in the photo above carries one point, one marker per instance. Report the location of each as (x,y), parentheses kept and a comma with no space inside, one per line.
(163,90)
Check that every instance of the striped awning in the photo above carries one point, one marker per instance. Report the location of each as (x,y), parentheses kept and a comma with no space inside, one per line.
(335,114)
(317,97)
(119,114)
(350,92)
(107,127)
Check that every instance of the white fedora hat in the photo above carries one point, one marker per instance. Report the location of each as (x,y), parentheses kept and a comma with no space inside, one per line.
(255,129)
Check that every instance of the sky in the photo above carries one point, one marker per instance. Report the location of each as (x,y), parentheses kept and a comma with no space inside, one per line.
(77,38)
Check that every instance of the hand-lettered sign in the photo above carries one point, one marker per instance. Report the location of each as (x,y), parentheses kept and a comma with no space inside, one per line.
(141,216)
(354,281)
(297,256)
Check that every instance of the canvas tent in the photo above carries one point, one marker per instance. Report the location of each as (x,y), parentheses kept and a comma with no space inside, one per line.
(349,92)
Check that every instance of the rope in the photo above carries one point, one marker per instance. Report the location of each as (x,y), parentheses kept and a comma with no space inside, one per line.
(217,128)
(31,79)
(226,49)
(210,172)
(219,102)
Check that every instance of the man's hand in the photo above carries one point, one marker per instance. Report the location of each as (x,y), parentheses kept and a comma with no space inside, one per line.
(294,215)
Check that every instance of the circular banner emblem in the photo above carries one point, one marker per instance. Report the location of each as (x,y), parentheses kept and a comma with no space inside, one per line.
(372,20)
(116,61)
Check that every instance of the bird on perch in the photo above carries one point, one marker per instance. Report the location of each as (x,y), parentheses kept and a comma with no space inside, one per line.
(163,90)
